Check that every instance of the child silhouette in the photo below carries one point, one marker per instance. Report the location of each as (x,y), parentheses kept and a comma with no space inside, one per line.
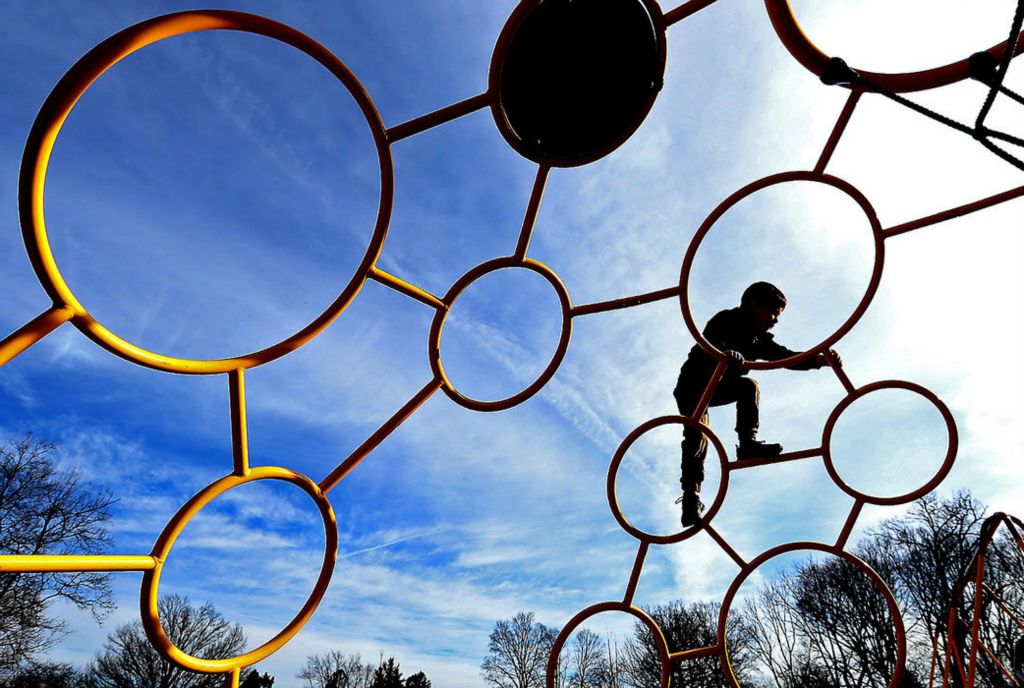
(742,334)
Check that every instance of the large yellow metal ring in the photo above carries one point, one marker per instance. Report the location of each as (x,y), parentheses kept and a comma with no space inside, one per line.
(66,94)
(151,578)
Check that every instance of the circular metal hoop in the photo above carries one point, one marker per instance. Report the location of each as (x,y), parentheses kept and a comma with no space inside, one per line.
(434,343)
(947,462)
(495,79)
(151,579)
(724,206)
(620,453)
(810,56)
(880,585)
(77,81)
(593,610)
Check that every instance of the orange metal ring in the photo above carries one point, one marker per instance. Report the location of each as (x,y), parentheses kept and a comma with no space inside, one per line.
(947,462)
(613,472)
(716,214)
(434,342)
(574,622)
(508,32)
(890,600)
(151,579)
(66,94)
(800,46)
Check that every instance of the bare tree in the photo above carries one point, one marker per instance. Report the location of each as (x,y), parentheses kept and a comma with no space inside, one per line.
(46,510)
(130,661)
(336,670)
(685,627)
(587,666)
(518,653)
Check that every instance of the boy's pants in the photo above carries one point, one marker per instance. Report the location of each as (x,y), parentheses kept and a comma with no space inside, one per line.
(738,389)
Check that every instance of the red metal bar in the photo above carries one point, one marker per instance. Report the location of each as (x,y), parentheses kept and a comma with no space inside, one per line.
(361,452)
(979,581)
(1002,605)
(995,660)
(634,576)
(433,119)
(239,426)
(696,652)
(717,537)
(837,130)
(685,10)
(709,391)
(625,302)
(851,520)
(837,368)
(781,458)
(531,211)
(953,213)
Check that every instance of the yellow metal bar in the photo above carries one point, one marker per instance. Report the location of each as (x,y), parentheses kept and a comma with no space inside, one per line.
(532,207)
(410,290)
(239,427)
(231,678)
(33,331)
(363,450)
(41,563)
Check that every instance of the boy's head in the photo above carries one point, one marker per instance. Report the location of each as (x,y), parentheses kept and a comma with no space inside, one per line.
(765,303)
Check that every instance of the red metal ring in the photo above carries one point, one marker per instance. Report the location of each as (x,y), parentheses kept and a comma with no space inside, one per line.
(716,214)
(593,610)
(613,471)
(434,341)
(947,462)
(880,585)
(806,53)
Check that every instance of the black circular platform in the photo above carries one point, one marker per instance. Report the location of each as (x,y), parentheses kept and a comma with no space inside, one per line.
(575,78)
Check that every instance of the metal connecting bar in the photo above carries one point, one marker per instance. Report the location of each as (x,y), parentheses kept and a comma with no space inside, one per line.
(626,302)
(539,182)
(684,655)
(837,368)
(685,10)
(851,520)
(231,678)
(995,660)
(33,331)
(956,212)
(45,563)
(1002,605)
(709,391)
(979,580)
(239,426)
(410,290)
(433,119)
(361,452)
(781,458)
(717,537)
(837,130)
(634,576)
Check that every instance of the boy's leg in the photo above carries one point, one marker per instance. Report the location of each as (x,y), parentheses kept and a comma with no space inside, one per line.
(695,451)
(691,470)
(747,394)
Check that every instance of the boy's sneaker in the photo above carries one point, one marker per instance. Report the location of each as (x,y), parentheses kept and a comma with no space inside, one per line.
(693,508)
(757,449)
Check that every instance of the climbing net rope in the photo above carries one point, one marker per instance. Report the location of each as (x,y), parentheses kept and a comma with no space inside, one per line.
(524,74)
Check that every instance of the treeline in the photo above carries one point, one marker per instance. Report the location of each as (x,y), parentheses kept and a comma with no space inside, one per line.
(818,624)
(46,509)
(128,659)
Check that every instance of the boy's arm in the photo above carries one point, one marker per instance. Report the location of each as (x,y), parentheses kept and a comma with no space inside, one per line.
(773,351)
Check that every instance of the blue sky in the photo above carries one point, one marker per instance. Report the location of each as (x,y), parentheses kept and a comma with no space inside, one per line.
(212,193)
